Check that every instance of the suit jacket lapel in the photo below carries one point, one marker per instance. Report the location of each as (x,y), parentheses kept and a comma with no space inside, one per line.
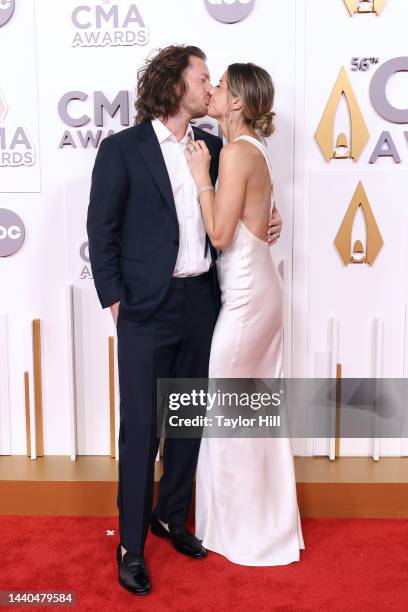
(150,150)
(213,176)
(213,166)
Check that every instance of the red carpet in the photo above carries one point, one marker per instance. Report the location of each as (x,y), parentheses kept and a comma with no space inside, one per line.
(348,564)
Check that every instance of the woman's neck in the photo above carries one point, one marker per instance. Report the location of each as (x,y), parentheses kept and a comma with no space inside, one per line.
(232,131)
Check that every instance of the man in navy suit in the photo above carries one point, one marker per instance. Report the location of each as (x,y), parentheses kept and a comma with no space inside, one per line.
(154,267)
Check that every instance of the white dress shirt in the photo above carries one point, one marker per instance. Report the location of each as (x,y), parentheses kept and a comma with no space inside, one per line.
(191,260)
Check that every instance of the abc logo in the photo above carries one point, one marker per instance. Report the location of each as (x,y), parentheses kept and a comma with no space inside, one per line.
(229,11)
(6,11)
(12,232)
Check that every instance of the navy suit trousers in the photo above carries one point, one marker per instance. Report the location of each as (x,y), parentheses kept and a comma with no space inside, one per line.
(174,342)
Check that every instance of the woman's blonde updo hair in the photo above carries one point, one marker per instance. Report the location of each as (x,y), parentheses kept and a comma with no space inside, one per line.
(254,86)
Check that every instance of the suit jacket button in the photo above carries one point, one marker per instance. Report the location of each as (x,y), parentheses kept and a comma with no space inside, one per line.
(175,242)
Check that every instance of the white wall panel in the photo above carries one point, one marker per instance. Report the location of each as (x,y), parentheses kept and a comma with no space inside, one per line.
(303,43)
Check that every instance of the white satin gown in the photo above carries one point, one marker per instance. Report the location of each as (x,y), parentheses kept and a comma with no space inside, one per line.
(246,505)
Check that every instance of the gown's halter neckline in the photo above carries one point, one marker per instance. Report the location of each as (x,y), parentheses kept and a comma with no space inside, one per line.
(262,149)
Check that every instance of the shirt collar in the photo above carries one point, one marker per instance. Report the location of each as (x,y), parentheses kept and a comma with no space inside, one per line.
(163,133)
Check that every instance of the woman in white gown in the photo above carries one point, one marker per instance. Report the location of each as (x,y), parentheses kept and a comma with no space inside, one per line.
(246,506)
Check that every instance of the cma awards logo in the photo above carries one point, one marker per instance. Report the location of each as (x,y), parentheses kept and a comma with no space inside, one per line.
(229,11)
(12,232)
(86,272)
(15,145)
(351,145)
(7,8)
(365,6)
(77,109)
(341,146)
(108,24)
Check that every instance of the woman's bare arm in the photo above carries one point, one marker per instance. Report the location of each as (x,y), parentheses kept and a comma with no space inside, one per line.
(223,209)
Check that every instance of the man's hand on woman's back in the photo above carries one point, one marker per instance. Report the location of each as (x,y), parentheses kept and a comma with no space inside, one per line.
(274,227)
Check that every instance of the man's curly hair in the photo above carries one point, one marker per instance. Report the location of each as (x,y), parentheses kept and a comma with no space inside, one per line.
(160,82)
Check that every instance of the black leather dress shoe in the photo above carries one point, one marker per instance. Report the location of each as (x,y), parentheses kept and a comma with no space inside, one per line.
(133,574)
(183,541)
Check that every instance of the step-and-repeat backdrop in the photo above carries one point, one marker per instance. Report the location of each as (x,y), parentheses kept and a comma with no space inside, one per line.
(340,160)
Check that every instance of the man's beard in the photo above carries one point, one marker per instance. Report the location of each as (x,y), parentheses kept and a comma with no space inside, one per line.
(199,113)
(196,110)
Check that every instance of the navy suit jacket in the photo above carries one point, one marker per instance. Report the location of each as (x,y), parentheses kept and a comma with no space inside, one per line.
(132,223)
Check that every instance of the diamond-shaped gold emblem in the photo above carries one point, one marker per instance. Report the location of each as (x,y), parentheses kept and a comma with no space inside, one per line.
(374,241)
(325,131)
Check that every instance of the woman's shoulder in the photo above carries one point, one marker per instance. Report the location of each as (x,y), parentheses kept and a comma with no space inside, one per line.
(239,154)
(233,150)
